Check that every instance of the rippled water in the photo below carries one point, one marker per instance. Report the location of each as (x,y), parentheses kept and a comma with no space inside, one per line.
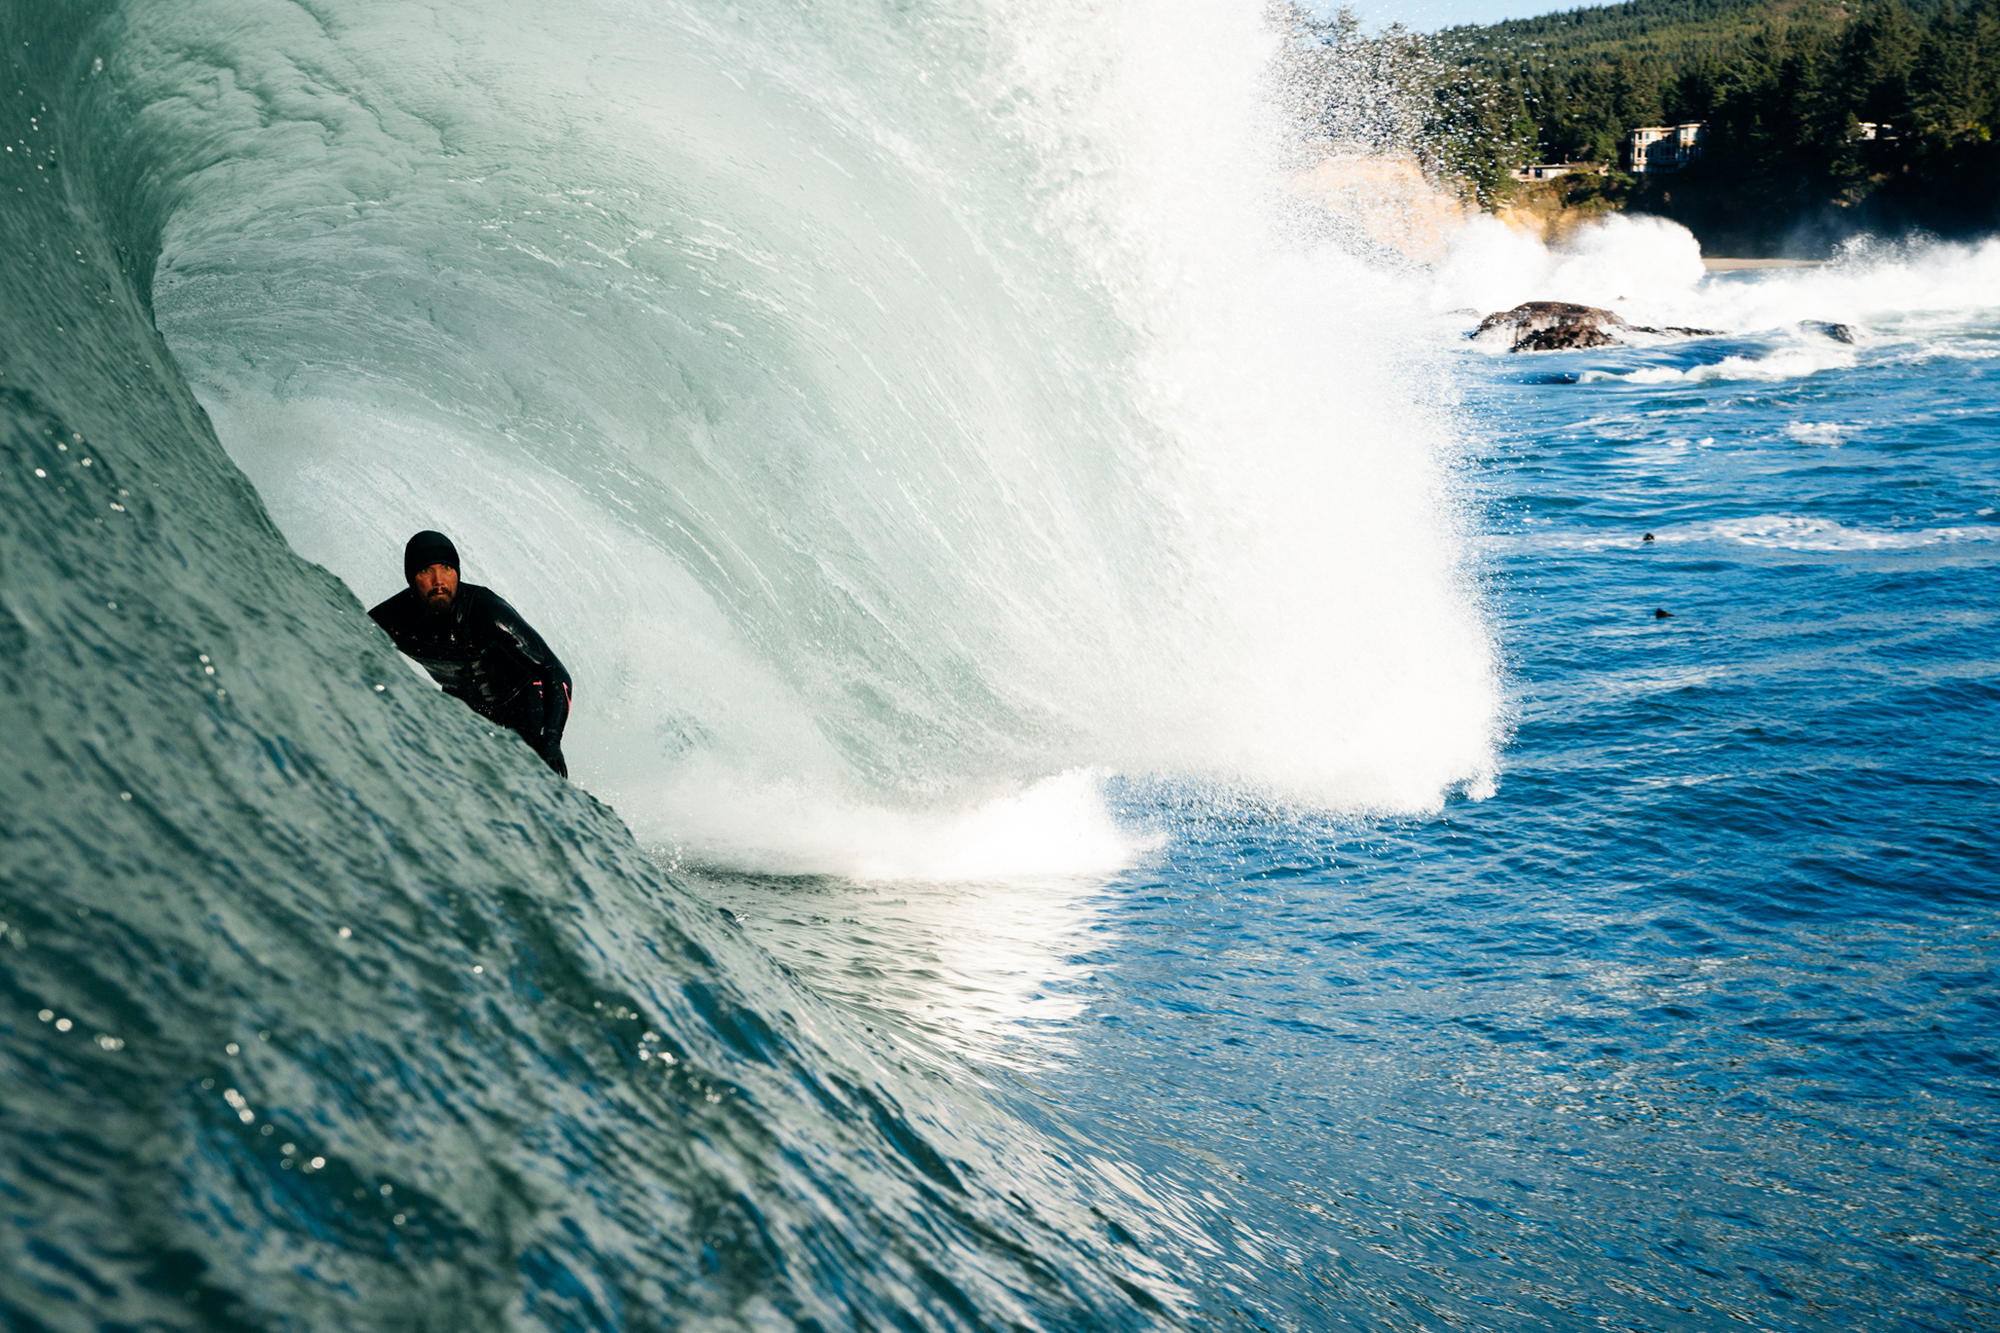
(1693,1021)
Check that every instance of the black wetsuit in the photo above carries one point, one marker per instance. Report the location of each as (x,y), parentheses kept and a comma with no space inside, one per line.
(480,650)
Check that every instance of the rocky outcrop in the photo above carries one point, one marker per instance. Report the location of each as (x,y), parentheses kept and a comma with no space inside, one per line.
(1549,326)
(1563,338)
(1560,326)
(1840,333)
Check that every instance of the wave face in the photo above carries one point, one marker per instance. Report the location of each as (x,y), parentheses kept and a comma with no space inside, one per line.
(868,400)
(895,419)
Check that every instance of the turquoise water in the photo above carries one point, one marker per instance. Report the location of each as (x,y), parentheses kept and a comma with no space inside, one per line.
(1127,775)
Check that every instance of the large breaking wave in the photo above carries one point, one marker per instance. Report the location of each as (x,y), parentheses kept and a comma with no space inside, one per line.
(898,417)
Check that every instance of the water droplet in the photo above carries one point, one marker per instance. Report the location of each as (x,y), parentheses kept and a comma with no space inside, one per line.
(64,1025)
(46,1015)
(231,1049)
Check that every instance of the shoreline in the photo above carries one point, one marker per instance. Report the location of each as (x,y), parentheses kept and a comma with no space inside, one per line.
(1734,265)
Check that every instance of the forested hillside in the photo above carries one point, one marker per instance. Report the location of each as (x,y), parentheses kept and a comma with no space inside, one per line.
(1824,118)
(1788,93)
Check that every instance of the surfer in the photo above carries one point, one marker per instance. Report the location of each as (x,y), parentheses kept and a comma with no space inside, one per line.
(477,647)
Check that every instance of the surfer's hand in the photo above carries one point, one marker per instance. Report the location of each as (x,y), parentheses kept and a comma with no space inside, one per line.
(552,755)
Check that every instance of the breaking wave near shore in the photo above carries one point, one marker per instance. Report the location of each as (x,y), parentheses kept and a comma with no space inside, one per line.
(905,426)
(1899,300)
(1128,775)
(891,413)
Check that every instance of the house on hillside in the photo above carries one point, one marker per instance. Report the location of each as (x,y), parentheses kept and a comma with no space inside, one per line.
(1657,149)
(1548,171)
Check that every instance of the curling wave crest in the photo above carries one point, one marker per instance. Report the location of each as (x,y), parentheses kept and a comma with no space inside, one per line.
(875,448)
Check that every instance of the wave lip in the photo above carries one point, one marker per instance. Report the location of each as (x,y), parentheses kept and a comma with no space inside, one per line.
(1777,532)
(1793,533)
(869,456)
(1786,364)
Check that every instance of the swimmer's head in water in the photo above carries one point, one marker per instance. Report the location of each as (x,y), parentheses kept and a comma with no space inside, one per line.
(430,563)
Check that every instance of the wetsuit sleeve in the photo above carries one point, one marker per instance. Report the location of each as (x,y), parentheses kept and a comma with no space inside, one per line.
(543,671)
(393,616)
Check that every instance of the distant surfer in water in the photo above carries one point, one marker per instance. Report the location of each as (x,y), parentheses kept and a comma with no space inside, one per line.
(478,647)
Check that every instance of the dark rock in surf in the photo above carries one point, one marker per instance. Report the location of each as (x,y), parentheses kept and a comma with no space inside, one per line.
(1825,328)
(1674,330)
(1563,338)
(1560,326)
(1662,614)
(1550,326)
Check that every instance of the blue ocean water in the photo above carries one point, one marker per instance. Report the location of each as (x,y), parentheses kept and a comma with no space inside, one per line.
(1692,1022)
(1128,774)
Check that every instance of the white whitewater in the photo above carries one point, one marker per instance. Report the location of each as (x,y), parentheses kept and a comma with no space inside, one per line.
(899,421)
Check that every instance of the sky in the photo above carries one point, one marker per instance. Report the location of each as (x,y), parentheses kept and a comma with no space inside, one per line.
(1430,15)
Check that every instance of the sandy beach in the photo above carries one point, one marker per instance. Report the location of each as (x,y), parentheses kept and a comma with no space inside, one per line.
(1731,265)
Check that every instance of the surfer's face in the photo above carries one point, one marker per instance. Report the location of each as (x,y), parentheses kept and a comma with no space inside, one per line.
(436,586)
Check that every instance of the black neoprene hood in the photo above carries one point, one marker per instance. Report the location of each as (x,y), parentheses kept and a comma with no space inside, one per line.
(425,549)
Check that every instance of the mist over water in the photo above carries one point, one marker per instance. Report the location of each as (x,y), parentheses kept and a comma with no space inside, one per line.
(1127,776)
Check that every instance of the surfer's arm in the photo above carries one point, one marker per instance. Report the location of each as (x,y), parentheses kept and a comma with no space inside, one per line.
(543,672)
(396,616)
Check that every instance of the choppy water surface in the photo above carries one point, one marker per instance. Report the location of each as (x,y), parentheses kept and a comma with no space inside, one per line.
(1692,1022)
(1127,776)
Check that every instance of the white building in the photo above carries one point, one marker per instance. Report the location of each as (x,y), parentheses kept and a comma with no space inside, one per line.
(1548,171)
(1662,148)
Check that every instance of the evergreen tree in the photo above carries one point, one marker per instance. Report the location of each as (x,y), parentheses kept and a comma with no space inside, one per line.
(1820,119)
